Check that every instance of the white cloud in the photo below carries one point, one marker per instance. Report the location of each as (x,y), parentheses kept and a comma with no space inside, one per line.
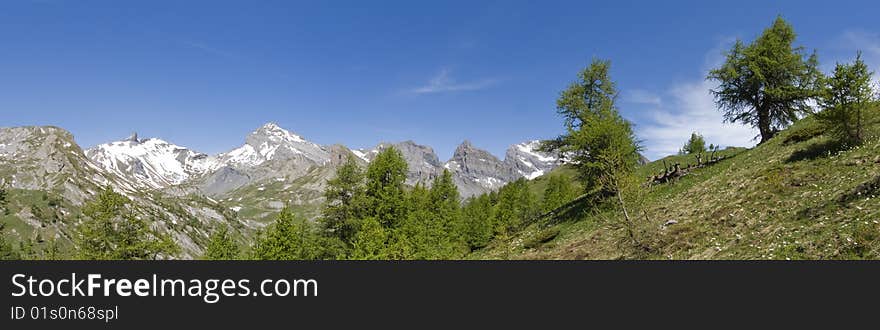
(640,96)
(443,82)
(692,110)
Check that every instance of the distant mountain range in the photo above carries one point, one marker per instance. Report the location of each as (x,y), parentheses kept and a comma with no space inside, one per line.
(273,153)
(187,193)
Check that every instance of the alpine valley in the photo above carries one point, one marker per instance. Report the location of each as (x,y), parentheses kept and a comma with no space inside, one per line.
(186,193)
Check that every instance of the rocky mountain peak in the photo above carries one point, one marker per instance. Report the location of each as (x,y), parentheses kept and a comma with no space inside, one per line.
(132,138)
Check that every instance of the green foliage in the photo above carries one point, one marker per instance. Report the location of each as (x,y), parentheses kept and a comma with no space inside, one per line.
(600,142)
(433,228)
(289,238)
(7,252)
(768,83)
(695,145)
(559,192)
(846,100)
(344,201)
(3,201)
(478,215)
(111,231)
(385,194)
(222,246)
(516,205)
(370,242)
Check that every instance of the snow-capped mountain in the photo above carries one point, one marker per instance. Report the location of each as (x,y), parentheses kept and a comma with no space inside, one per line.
(271,152)
(272,142)
(151,163)
(528,161)
(474,170)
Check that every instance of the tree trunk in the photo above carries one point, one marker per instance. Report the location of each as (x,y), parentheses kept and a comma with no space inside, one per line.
(764,124)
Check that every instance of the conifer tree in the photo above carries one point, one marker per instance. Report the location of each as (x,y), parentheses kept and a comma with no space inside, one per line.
(767,84)
(221,246)
(289,238)
(446,205)
(846,100)
(600,143)
(111,231)
(478,216)
(370,241)
(559,192)
(516,205)
(385,193)
(344,201)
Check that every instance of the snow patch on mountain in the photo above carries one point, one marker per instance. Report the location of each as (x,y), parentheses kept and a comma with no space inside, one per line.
(153,163)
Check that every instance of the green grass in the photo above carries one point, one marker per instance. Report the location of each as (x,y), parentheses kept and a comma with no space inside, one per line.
(797,196)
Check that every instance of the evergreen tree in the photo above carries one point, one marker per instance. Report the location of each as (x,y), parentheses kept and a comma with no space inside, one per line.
(695,145)
(768,83)
(344,201)
(846,100)
(289,238)
(478,216)
(111,231)
(370,241)
(385,193)
(446,205)
(559,192)
(416,236)
(222,246)
(516,205)
(599,141)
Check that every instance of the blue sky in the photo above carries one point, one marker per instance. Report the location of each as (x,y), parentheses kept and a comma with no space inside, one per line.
(203,74)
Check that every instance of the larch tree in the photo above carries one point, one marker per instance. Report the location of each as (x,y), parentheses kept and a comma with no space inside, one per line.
(767,84)
(846,100)
(344,201)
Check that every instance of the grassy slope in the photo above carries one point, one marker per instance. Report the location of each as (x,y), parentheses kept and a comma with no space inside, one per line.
(793,197)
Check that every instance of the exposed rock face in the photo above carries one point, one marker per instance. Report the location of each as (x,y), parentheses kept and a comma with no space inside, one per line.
(530,163)
(47,159)
(269,152)
(422,163)
(476,171)
(271,142)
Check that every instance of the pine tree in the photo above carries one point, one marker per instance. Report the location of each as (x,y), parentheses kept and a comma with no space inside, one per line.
(559,192)
(289,238)
(370,241)
(344,201)
(385,195)
(846,101)
(222,246)
(768,83)
(111,231)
